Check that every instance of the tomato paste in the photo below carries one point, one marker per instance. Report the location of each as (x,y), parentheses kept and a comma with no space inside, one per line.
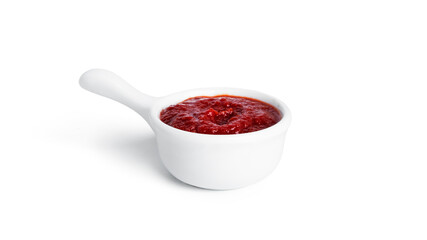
(223,114)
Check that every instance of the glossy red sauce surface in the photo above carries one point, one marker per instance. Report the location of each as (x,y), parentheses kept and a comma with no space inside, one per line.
(223,114)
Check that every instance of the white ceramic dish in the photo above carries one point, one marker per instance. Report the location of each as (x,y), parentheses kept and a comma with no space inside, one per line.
(217,162)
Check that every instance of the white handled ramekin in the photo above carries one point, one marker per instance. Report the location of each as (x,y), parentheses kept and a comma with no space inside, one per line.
(217,162)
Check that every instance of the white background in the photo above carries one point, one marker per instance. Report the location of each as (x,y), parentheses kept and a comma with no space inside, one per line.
(74,165)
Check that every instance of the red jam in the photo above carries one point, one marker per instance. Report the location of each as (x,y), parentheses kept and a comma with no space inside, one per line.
(223,114)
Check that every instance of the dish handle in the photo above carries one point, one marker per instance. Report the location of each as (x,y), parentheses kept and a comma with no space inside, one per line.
(108,84)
